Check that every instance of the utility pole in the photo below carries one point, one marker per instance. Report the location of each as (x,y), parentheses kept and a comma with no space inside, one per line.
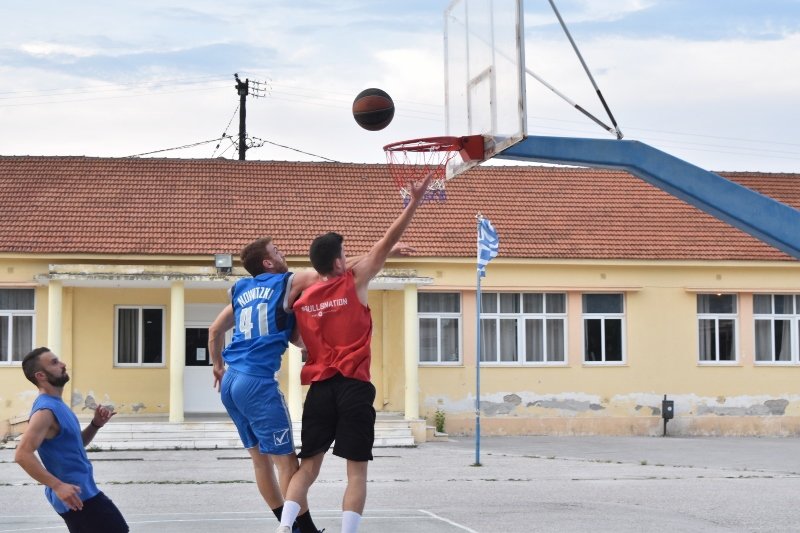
(242,88)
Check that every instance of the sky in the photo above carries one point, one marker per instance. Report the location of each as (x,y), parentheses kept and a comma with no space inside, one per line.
(714,82)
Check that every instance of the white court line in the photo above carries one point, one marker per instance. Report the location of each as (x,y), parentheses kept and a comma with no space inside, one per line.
(445,520)
(401,515)
(60,527)
(202,520)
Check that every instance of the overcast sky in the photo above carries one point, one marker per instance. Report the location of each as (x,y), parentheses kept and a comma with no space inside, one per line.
(715,82)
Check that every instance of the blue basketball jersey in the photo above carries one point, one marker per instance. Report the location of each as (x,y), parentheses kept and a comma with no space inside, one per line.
(262,326)
(64,455)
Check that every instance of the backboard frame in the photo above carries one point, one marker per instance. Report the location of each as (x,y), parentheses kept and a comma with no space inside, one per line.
(485,92)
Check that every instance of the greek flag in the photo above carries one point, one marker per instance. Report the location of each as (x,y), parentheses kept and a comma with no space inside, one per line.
(488,244)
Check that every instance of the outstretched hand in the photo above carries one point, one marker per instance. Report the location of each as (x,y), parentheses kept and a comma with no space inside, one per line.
(401,249)
(102,415)
(418,188)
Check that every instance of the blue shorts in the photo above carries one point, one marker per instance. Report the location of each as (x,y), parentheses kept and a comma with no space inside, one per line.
(257,408)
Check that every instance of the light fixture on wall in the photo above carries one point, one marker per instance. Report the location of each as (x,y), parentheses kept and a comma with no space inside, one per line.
(224,263)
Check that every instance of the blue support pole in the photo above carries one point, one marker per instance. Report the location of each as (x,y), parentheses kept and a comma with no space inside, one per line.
(762,217)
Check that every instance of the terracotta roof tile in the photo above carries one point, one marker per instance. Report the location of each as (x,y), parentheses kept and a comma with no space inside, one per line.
(81,205)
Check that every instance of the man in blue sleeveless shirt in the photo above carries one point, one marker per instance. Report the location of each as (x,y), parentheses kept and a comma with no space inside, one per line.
(263,326)
(54,431)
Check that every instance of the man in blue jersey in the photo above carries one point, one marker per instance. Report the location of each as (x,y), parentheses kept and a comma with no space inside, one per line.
(263,326)
(54,432)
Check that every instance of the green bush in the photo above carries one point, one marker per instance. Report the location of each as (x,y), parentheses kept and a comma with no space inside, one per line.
(439,418)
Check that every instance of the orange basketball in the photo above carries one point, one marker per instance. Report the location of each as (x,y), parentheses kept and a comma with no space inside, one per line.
(373,109)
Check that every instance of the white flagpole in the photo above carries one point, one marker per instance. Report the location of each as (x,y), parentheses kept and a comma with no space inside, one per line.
(478,356)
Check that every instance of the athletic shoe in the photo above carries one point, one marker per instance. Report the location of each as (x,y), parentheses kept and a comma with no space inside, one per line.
(295,528)
(283,529)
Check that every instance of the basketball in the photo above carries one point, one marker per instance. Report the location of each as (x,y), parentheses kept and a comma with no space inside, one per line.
(373,109)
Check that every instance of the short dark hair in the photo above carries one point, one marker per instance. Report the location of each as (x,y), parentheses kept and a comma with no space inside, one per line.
(253,256)
(30,363)
(324,251)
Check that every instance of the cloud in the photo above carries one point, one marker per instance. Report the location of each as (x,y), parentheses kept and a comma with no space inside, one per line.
(721,68)
(706,20)
(129,66)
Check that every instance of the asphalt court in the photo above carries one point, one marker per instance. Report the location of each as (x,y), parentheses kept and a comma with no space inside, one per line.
(377,520)
(525,484)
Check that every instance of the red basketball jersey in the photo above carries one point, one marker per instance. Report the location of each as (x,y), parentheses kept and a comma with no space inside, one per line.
(336,329)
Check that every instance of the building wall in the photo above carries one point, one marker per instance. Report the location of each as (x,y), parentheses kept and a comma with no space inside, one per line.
(88,350)
(16,392)
(94,376)
(661,357)
(388,370)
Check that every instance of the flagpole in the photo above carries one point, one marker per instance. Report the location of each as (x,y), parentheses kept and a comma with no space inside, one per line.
(478,360)
(488,247)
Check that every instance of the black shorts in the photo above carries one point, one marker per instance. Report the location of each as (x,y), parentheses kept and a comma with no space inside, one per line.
(98,514)
(339,409)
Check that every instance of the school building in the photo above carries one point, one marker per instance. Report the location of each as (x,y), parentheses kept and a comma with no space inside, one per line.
(607,293)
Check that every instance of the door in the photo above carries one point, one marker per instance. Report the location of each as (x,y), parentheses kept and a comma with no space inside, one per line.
(199,394)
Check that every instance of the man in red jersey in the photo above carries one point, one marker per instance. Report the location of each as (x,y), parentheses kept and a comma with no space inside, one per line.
(336,326)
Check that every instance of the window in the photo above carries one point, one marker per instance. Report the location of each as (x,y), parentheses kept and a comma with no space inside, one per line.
(439,327)
(523,327)
(139,336)
(716,327)
(603,328)
(16,324)
(776,327)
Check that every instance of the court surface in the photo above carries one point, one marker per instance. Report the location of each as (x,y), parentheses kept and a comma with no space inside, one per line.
(525,484)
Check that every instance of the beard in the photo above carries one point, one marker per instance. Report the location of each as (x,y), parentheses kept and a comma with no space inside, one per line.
(57,381)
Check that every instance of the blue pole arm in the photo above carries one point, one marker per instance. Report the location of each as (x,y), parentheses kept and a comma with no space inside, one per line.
(762,217)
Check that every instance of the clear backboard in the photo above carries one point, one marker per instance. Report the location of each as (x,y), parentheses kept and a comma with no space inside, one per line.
(484,74)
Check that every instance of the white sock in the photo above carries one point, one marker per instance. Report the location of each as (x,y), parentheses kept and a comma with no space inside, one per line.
(290,511)
(350,521)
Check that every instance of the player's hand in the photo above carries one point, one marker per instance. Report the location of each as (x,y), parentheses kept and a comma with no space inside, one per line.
(418,188)
(401,249)
(70,495)
(218,371)
(102,414)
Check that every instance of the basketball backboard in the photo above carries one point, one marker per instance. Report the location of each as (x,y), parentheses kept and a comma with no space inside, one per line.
(484,74)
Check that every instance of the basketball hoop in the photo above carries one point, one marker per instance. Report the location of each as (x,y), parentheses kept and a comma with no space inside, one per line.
(410,161)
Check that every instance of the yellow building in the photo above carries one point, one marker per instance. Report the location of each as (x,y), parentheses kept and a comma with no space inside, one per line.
(607,294)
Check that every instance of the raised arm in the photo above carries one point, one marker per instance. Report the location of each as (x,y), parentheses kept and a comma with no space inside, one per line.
(216,341)
(304,279)
(102,415)
(373,262)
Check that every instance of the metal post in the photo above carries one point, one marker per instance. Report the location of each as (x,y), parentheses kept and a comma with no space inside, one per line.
(242,89)
(478,366)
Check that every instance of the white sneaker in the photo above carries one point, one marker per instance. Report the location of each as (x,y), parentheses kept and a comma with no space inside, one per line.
(283,529)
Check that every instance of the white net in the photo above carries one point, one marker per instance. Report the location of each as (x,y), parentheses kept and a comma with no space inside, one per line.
(411,161)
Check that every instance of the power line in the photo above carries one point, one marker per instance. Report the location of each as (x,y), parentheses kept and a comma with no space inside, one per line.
(538,124)
(264,141)
(176,148)
(225,133)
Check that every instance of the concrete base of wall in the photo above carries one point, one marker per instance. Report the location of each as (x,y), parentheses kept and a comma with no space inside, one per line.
(418,430)
(732,426)
(12,428)
(689,426)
